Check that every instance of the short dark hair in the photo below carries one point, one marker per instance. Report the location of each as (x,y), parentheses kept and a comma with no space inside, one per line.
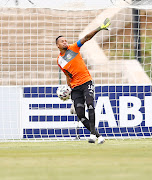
(58,38)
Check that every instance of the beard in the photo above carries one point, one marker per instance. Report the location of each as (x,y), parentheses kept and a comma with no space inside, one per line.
(65,48)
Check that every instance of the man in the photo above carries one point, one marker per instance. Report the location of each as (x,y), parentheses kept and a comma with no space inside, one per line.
(80,80)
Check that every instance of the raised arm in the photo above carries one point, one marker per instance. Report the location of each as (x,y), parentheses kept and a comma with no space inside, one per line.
(104,26)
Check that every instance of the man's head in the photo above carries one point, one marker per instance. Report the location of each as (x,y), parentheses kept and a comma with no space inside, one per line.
(61,43)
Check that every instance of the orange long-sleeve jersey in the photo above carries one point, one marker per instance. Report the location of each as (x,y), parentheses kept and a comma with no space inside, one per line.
(72,63)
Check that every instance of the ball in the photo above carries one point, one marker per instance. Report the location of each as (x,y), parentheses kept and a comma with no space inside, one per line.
(64,92)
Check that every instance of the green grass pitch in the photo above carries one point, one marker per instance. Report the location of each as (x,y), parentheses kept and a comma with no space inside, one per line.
(76,160)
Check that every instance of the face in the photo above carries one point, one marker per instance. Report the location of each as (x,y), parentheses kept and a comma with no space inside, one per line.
(62,43)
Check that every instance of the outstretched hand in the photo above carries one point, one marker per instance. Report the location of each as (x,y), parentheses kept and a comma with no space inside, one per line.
(105,24)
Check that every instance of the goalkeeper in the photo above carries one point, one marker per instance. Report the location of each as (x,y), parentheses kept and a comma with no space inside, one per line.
(80,80)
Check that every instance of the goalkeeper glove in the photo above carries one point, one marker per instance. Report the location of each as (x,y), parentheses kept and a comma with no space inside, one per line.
(106,24)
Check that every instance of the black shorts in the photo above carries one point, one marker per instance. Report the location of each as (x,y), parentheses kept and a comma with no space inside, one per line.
(83,91)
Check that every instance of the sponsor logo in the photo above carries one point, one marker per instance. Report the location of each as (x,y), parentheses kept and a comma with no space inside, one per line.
(129,112)
(69,56)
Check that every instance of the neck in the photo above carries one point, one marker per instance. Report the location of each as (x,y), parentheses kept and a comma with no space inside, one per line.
(62,51)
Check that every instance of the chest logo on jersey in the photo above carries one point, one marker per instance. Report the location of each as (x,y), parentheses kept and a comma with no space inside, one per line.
(69,56)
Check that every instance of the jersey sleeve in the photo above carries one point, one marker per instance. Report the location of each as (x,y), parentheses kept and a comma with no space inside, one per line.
(79,43)
(76,46)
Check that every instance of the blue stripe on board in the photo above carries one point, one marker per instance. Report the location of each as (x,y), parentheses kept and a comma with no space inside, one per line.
(50,106)
(40,92)
(58,132)
(52,118)
(83,132)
